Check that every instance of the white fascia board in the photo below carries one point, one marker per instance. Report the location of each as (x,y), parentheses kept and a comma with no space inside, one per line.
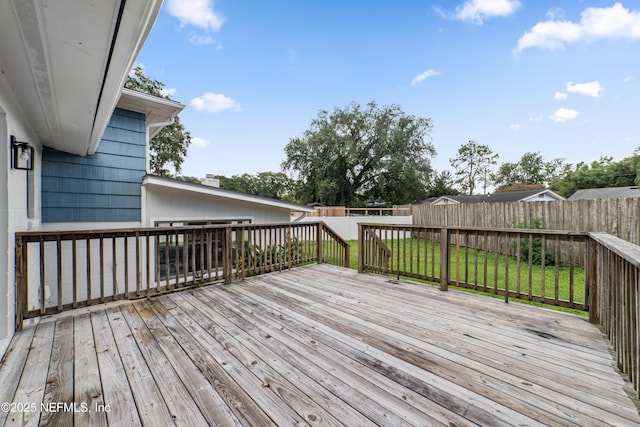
(136,24)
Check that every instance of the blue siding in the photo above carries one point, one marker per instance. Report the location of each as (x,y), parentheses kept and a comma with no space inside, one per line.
(104,187)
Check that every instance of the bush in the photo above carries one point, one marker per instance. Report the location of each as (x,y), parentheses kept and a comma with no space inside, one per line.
(536,246)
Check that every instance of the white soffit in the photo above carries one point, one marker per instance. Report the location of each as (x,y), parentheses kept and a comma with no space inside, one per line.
(66,62)
(155,108)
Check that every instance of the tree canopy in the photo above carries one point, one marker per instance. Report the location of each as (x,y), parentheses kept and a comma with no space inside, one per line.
(530,169)
(354,155)
(169,147)
(443,184)
(599,174)
(276,185)
(473,165)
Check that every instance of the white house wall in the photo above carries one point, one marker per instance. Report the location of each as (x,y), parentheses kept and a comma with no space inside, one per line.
(347,226)
(13,202)
(165,204)
(100,276)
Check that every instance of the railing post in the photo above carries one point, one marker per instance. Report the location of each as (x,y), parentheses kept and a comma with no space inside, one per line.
(444,259)
(360,248)
(591,280)
(21,282)
(319,243)
(227,268)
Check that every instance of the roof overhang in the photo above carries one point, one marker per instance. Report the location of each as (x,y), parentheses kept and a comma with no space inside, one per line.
(446,200)
(550,193)
(156,109)
(67,60)
(153,181)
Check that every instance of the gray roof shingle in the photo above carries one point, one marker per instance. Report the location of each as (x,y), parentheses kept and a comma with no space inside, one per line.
(606,193)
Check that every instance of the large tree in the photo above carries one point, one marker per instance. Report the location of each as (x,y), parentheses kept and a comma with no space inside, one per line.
(473,165)
(355,155)
(169,147)
(530,169)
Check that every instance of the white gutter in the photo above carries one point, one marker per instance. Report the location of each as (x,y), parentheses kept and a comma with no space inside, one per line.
(146,138)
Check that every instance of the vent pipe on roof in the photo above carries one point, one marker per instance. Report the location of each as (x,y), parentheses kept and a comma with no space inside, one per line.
(210,180)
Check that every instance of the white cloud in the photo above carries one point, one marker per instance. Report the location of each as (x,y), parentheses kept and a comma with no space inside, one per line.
(615,22)
(560,95)
(168,92)
(420,77)
(201,40)
(198,13)
(562,115)
(214,103)
(589,89)
(477,11)
(555,13)
(199,142)
(627,79)
(515,127)
(536,119)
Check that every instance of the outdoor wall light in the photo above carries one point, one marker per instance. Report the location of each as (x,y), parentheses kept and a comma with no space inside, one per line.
(22,155)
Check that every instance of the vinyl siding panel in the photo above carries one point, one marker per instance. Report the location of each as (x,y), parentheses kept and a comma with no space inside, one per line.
(102,187)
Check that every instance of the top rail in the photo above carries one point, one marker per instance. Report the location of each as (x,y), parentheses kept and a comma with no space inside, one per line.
(62,270)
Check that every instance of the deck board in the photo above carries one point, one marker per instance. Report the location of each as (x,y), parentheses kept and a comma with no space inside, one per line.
(317,345)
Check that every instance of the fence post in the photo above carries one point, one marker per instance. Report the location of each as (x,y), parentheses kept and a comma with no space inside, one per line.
(319,242)
(227,268)
(591,280)
(360,248)
(444,259)
(21,282)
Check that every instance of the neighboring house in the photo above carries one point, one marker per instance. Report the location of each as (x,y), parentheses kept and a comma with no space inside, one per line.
(171,202)
(606,193)
(510,196)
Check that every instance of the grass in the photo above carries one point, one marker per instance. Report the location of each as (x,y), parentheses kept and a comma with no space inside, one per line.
(409,256)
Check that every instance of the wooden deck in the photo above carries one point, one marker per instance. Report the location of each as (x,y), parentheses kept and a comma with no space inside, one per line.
(317,345)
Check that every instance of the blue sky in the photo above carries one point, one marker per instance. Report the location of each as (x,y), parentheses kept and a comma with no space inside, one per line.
(558,77)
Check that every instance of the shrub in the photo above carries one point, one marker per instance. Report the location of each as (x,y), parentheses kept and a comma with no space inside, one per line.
(536,246)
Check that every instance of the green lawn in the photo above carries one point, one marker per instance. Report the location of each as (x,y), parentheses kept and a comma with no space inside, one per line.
(409,257)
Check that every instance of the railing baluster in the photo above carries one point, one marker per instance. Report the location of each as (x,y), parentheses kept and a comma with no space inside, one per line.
(74,272)
(43,295)
(22,267)
(59,268)
(101,268)
(126,266)
(88,261)
(114,280)
(506,267)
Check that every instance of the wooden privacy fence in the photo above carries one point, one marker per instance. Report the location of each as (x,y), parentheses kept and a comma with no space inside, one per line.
(61,270)
(519,264)
(618,217)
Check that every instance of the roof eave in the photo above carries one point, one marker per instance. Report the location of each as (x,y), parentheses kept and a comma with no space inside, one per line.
(152,180)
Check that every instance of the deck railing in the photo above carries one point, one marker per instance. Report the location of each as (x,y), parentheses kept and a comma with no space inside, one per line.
(614,266)
(62,270)
(594,272)
(536,265)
